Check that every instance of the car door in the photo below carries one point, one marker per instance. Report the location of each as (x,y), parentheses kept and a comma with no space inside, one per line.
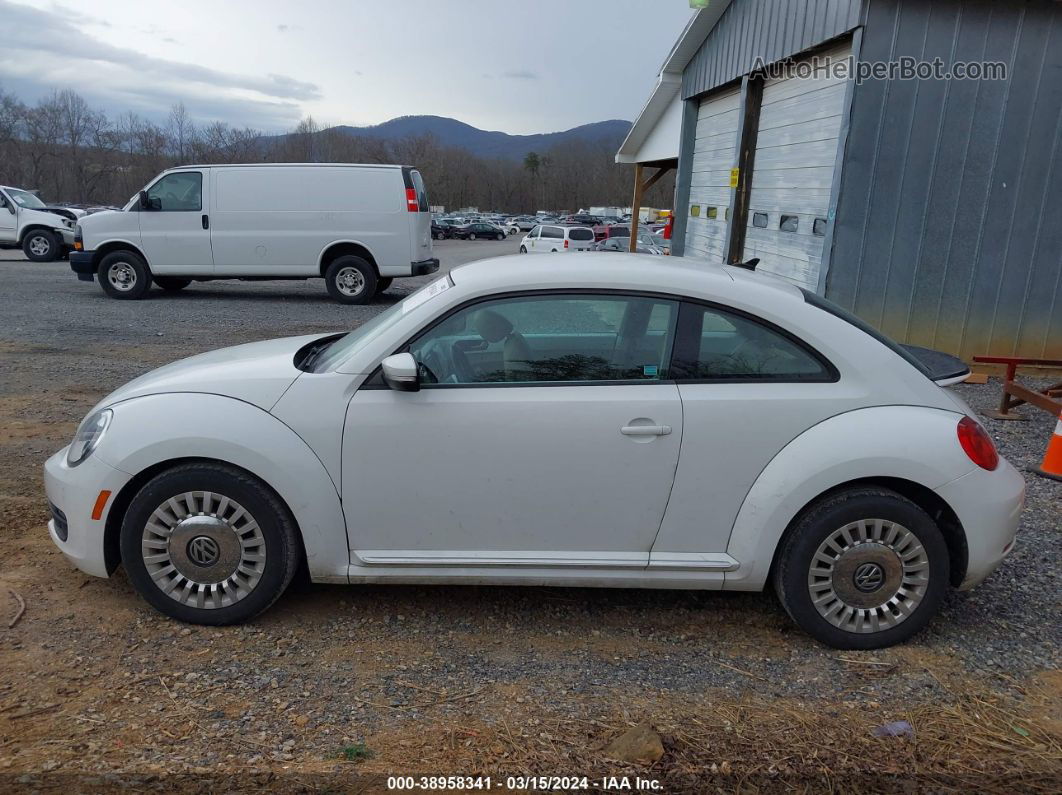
(8,220)
(748,388)
(532,239)
(175,233)
(545,433)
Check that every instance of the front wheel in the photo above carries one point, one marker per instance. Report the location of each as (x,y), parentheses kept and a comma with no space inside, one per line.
(209,544)
(863,568)
(40,245)
(500,236)
(124,275)
(351,280)
(171,283)
(523,249)
(472,236)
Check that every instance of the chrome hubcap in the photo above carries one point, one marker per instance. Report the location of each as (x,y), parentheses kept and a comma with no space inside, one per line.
(121,276)
(350,281)
(204,550)
(868,576)
(39,245)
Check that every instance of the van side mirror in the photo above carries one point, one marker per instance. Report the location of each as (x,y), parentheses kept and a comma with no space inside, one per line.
(147,203)
(400,372)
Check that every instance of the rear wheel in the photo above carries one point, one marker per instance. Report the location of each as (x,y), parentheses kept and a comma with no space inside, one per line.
(209,544)
(862,569)
(40,245)
(500,236)
(171,283)
(124,275)
(472,236)
(523,249)
(351,280)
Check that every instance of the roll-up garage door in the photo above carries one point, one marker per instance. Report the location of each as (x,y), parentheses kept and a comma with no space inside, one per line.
(713,156)
(796,148)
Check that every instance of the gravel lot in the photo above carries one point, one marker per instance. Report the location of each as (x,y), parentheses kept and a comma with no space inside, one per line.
(335,686)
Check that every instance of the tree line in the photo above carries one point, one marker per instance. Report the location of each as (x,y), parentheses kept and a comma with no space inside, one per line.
(72,152)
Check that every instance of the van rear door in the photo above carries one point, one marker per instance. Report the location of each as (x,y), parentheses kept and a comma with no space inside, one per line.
(418,213)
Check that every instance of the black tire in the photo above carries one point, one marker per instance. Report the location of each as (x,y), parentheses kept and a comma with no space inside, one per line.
(439,235)
(500,236)
(277,532)
(341,281)
(120,268)
(824,518)
(523,249)
(471,235)
(383,283)
(41,245)
(171,283)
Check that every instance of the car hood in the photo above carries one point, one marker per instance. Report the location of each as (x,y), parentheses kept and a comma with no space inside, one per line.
(31,215)
(257,373)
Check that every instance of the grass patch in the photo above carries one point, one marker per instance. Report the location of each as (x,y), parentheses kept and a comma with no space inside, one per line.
(356,752)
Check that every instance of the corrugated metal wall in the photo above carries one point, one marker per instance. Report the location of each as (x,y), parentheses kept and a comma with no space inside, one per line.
(949,222)
(772,29)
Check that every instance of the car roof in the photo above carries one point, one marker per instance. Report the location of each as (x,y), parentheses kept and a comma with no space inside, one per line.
(285,165)
(621,271)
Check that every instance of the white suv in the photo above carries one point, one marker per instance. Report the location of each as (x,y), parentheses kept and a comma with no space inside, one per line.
(25,222)
(547,239)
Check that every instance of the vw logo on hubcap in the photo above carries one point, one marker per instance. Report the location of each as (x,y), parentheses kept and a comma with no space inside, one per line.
(203,551)
(868,577)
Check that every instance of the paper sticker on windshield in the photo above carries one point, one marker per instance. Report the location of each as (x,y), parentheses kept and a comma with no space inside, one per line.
(438,286)
(650,370)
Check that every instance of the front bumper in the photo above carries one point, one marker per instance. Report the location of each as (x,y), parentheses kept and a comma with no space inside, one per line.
(425,266)
(74,492)
(67,234)
(988,505)
(81,263)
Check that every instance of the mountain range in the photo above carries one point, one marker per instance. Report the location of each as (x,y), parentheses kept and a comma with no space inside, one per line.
(490,143)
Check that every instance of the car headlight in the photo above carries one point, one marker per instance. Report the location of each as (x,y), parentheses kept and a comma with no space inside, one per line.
(88,436)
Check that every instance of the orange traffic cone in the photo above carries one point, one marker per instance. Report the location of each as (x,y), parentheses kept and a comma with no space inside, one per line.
(1052,465)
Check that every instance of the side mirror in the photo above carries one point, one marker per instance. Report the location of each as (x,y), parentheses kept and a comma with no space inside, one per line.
(400,372)
(10,208)
(147,203)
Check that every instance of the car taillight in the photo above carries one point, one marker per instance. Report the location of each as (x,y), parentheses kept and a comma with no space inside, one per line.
(566,244)
(411,200)
(977,444)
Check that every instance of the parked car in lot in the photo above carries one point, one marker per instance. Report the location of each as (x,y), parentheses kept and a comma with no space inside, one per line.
(582,219)
(479,230)
(521,224)
(646,244)
(26,223)
(606,231)
(509,424)
(550,238)
(357,226)
(440,231)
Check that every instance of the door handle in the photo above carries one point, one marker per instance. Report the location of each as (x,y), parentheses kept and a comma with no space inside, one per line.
(206,221)
(645,430)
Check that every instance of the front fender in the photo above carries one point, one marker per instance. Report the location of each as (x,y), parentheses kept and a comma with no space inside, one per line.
(153,429)
(913,443)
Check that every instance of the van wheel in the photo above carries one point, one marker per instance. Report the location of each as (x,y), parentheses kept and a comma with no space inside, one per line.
(862,568)
(124,275)
(351,280)
(171,283)
(383,283)
(40,245)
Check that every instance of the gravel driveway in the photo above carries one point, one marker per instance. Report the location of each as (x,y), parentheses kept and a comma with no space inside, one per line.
(337,686)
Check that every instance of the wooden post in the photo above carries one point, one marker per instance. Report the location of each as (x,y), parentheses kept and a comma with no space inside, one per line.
(636,207)
(752,97)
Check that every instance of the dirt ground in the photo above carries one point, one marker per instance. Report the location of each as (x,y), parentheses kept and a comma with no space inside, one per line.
(337,688)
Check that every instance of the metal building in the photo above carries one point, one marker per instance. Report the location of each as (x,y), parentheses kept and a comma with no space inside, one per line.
(931,205)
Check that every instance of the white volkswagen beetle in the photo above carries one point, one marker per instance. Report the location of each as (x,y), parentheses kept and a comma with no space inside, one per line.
(629,422)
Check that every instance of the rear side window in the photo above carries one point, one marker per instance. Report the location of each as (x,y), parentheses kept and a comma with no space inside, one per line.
(829,306)
(619,231)
(552,232)
(580,234)
(713,344)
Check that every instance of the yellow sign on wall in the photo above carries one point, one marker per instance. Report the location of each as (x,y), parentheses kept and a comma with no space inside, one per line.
(695,210)
(734,173)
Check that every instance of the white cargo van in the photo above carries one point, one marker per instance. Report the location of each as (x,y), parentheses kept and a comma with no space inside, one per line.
(357,226)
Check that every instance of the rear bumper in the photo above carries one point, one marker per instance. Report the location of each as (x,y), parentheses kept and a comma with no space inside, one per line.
(988,505)
(424,266)
(81,263)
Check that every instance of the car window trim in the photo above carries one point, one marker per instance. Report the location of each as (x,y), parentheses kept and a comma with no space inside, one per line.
(831,375)
(375,379)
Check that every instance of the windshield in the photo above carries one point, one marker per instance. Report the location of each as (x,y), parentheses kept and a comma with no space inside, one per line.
(350,343)
(25,199)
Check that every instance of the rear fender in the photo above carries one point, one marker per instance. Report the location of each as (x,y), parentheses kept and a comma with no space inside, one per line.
(912,443)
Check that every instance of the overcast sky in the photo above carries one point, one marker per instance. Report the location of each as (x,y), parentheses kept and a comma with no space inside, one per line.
(518,67)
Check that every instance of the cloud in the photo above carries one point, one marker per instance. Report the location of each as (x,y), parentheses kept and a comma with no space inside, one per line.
(520,74)
(51,39)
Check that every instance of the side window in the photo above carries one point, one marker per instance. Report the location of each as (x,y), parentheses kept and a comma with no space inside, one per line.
(534,231)
(713,344)
(422,192)
(550,339)
(552,232)
(179,192)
